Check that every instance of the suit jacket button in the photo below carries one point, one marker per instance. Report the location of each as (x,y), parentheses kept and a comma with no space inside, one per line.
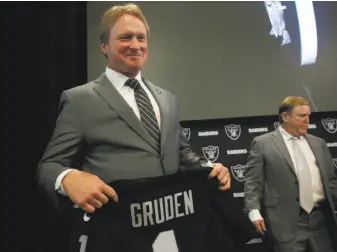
(297,199)
(162,156)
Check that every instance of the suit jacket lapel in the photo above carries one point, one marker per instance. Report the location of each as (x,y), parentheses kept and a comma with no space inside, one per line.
(281,145)
(109,93)
(163,107)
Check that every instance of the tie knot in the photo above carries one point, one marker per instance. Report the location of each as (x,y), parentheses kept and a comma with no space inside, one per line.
(295,138)
(132,82)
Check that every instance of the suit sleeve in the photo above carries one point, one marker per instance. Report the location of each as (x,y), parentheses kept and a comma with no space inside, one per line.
(254,178)
(187,156)
(333,185)
(332,172)
(61,152)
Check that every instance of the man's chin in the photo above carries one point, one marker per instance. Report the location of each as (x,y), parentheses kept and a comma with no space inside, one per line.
(303,132)
(131,71)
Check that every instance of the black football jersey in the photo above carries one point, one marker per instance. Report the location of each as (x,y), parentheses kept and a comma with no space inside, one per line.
(161,214)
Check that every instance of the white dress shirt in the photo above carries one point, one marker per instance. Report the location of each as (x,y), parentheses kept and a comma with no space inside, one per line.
(317,185)
(118,80)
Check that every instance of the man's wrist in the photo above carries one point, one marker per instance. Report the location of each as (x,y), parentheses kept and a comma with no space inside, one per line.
(205,163)
(254,215)
(58,185)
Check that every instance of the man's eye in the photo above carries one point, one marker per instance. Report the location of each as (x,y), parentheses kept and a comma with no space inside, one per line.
(141,38)
(125,37)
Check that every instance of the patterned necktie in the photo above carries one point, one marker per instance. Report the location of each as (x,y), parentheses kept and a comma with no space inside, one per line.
(147,114)
(304,177)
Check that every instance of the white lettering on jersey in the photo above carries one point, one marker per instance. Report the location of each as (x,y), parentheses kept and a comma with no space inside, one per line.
(162,209)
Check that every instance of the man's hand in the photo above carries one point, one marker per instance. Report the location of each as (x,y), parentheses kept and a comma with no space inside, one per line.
(223,176)
(87,191)
(260,226)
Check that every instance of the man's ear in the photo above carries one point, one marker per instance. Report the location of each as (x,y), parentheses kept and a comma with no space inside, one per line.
(285,116)
(104,48)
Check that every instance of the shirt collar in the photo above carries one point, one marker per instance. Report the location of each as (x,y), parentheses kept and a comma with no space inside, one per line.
(286,135)
(117,79)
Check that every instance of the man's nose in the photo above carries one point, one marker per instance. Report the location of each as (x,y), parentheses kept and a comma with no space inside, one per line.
(134,44)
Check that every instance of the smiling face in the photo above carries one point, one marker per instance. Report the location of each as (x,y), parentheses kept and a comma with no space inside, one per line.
(127,47)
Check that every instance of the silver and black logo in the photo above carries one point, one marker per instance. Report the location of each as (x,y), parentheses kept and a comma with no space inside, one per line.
(335,162)
(276,125)
(211,153)
(330,125)
(239,172)
(233,131)
(186,132)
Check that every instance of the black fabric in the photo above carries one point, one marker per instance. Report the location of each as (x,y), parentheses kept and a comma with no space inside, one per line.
(233,218)
(228,226)
(45,53)
(110,228)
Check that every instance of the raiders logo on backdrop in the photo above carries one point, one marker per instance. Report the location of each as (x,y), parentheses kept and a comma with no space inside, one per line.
(312,126)
(211,152)
(333,144)
(335,162)
(239,172)
(258,130)
(276,125)
(233,131)
(186,132)
(330,125)
(239,195)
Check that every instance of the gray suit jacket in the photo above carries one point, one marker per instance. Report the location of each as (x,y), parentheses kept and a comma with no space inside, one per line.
(98,127)
(272,187)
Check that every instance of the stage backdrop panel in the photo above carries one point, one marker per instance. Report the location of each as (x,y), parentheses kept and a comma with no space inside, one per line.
(228,141)
(220,49)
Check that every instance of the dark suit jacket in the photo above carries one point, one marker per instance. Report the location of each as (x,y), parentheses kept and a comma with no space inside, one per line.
(96,126)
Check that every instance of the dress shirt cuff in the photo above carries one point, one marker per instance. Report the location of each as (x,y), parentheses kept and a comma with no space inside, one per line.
(255,215)
(208,164)
(58,184)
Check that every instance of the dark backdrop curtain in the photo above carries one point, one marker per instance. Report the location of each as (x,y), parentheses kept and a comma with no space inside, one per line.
(45,53)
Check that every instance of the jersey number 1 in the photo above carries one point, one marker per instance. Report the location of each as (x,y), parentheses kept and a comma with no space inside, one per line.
(165,242)
(83,240)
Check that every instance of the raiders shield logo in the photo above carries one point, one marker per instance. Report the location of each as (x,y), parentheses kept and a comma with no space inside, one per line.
(186,132)
(330,125)
(233,131)
(335,162)
(276,125)
(239,172)
(211,152)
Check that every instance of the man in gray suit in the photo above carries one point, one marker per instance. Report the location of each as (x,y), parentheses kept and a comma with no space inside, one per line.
(119,126)
(291,181)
